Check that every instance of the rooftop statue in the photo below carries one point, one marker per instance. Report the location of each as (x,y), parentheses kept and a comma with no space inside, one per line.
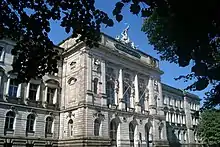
(124,34)
(125,39)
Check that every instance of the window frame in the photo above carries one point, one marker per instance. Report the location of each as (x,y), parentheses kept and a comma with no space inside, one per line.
(95,85)
(113,131)
(70,128)
(32,90)
(50,94)
(110,91)
(30,124)
(10,120)
(13,88)
(131,134)
(49,125)
(97,126)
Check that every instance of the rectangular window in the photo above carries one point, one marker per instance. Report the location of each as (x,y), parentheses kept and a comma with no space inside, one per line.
(164,100)
(170,101)
(50,95)
(13,87)
(33,91)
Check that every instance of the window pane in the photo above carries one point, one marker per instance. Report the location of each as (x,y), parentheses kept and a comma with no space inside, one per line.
(50,95)
(33,91)
(49,122)
(13,88)
(9,120)
(96,127)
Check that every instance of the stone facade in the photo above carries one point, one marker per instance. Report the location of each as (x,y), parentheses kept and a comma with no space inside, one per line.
(106,96)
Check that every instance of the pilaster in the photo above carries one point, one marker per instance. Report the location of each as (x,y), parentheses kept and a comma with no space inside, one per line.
(136,96)
(152,107)
(120,91)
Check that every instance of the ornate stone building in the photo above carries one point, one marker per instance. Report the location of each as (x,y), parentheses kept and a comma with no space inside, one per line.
(106,96)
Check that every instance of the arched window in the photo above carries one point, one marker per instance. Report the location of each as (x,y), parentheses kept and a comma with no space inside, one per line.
(70,127)
(97,124)
(110,92)
(113,132)
(131,134)
(95,86)
(9,120)
(49,123)
(30,122)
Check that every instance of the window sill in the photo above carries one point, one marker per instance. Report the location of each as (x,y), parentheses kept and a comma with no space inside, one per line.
(30,133)
(49,134)
(9,131)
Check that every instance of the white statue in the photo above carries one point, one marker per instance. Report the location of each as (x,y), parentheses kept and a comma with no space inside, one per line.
(117,37)
(124,34)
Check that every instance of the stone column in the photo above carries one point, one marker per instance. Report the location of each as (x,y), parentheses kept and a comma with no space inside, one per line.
(7,87)
(136,96)
(38,93)
(27,90)
(181,119)
(19,91)
(184,120)
(152,107)
(120,91)
(89,72)
(45,96)
(116,88)
(103,85)
(178,118)
(173,118)
(167,116)
(89,96)
(146,101)
(160,99)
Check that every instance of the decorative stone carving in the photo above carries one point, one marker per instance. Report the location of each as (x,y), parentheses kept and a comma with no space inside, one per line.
(72,81)
(99,115)
(97,65)
(124,119)
(72,65)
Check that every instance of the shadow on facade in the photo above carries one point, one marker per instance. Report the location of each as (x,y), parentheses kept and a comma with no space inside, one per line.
(171,137)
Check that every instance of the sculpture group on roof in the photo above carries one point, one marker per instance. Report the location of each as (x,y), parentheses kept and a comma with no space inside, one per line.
(124,38)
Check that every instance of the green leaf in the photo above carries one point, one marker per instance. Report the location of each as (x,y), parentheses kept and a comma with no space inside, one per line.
(135,8)
(119,17)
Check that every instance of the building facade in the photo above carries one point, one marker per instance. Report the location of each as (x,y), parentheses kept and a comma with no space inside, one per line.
(109,95)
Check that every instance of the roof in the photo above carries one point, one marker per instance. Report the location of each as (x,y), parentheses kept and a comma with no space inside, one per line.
(179,91)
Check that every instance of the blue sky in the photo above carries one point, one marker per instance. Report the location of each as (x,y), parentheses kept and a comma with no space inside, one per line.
(171,71)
